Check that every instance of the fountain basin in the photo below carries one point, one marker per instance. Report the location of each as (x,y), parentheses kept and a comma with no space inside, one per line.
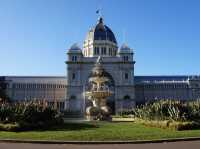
(98,94)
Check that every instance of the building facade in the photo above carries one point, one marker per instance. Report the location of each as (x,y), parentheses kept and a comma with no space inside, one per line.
(27,88)
(118,62)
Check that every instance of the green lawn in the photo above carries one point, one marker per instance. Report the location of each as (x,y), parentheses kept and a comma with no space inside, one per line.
(100,131)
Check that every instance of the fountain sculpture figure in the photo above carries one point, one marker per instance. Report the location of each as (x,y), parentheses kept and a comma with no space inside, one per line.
(98,94)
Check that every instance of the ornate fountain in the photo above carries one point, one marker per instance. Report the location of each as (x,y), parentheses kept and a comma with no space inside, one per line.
(98,94)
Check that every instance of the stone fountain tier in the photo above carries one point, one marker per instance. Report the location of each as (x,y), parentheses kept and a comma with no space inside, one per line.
(98,94)
(99,80)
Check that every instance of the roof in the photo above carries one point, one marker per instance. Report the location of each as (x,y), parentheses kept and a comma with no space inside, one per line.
(101,32)
(75,48)
(140,79)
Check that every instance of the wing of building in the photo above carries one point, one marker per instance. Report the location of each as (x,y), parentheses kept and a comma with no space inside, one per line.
(118,62)
(26,88)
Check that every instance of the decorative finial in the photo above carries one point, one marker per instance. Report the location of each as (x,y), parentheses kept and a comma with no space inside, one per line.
(99,60)
(101,20)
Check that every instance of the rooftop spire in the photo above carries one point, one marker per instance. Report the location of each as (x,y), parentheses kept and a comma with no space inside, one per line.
(100,20)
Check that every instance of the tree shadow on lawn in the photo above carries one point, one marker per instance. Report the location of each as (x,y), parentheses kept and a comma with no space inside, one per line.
(74,126)
(70,126)
(63,127)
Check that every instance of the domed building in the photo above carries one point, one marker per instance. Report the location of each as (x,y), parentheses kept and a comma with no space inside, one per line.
(117,62)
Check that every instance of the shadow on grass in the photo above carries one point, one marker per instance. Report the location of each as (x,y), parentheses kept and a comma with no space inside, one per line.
(73,126)
(63,127)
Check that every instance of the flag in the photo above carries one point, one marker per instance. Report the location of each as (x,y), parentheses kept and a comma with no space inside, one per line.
(97,12)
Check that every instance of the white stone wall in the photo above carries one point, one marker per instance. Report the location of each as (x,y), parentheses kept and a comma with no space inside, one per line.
(115,66)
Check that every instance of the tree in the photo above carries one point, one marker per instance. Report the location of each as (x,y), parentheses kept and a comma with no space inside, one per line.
(3,95)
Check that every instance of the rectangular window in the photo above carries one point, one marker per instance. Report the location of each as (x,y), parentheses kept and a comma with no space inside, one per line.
(97,51)
(74,58)
(125,58)
(115,52)
(73,76)
(126,76)
(102,50)
(109,51)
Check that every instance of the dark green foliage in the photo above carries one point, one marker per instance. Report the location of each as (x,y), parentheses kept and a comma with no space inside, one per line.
(28,115)
(3,96)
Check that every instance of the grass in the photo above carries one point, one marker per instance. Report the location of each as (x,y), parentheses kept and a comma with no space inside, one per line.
(100,131)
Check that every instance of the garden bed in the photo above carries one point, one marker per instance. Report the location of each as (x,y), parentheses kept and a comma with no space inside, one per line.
(167,124)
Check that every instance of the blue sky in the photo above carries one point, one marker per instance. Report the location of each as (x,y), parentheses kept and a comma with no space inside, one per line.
(35,34)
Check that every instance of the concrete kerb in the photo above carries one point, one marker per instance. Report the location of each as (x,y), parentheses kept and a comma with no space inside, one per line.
(98,142)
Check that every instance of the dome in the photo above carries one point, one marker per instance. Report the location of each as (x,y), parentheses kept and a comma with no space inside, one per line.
(100,40)
(75,48)
(101,32)
(125,48)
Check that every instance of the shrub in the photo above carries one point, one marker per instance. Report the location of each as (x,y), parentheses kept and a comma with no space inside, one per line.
(169,110)
(28,116)
(167,124)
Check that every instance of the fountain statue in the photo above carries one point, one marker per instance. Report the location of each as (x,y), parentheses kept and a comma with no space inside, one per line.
(98,94)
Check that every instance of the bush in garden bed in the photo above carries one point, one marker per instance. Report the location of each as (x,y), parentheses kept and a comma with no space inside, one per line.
(27,116)
(172,125)
(173,114)
(173,110)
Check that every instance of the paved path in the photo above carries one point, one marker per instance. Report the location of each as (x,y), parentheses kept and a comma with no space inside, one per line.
(171,145)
